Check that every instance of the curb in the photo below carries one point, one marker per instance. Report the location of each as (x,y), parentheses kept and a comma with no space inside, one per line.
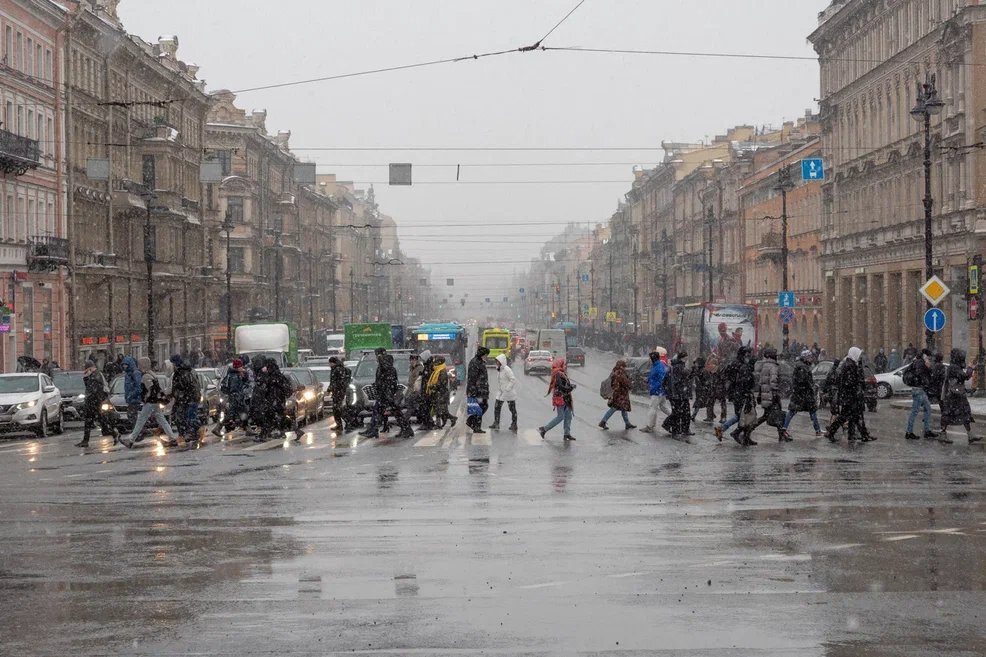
(935,409)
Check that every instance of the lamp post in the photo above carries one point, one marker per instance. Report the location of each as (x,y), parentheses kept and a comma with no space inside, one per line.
(783,185)
(228,226)
(149,262)
(278,263)
(352,296)
(634,231)
(710,219)
(928,104)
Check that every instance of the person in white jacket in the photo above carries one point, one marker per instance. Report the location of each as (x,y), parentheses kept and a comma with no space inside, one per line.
(506,392)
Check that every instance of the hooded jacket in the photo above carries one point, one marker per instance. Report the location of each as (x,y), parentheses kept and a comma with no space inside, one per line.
(506,381)
(768,380)
(131,382)
(655,379)
(851,384)
(184,383)
(386,380)
(477,378)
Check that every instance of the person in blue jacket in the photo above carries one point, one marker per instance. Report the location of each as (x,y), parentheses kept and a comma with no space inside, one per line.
(655,381)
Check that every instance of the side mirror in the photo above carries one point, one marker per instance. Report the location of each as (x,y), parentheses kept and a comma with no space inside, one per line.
(48,389)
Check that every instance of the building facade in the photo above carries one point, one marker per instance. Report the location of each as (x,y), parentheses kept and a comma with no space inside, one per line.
(873,55)
(33,244)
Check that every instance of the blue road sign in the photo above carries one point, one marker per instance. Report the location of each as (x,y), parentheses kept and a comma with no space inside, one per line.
(787,315)
(812,169)
(786,300)
(522,290)
(585,278)
(934,319)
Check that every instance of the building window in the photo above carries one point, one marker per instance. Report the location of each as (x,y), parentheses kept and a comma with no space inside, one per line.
(49,70)
(234,205)
(237,263)
(29,57)
(226,162)
(8,47)
(25,311)
(37,61)
(20,120)
(19,51)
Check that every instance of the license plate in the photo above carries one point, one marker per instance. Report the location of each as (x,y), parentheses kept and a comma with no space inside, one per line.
(6,418)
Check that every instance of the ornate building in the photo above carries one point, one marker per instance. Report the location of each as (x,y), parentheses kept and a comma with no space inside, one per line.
(33,245)
(873,56)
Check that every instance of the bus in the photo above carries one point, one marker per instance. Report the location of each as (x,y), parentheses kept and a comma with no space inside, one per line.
(571,333)
(497,340)
(448,339)
(718,329)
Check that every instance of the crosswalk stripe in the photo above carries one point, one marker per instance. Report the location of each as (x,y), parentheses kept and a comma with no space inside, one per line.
(481,439)
(430,440)
(532,437)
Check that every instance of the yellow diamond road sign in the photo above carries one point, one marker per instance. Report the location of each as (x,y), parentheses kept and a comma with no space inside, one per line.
(934,290)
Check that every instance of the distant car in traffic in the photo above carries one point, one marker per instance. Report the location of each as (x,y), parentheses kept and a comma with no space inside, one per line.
(575,356)
(538,361)
(308,402)
(30,402)
(364,376)
(73,390)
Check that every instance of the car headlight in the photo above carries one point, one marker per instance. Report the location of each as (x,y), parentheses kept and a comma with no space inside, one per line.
(201,399)
(81,397)
(105,407)
(309,395)
(27,404)
(352,387)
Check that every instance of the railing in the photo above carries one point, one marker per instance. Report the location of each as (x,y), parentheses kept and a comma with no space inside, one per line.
(18,154)
(46,253)
(771,245)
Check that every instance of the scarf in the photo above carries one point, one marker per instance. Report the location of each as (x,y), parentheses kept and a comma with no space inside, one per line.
(433,379)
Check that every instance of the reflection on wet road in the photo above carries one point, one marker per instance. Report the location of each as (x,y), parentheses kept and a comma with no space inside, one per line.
(451,544)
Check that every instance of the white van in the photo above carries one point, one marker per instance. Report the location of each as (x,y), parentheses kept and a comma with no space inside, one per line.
(552,340)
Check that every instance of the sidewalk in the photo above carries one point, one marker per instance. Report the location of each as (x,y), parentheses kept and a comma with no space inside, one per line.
(977,404)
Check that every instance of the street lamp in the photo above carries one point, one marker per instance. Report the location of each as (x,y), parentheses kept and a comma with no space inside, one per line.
(928,104)
(149,197)
(228,226)
(784,184)
(278,264)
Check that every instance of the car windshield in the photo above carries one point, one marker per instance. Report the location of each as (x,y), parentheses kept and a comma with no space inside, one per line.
(367,368)
(335,343)
(13,384)
(301,375)
(70,382)
(497,342)
(540,354)
(323,375)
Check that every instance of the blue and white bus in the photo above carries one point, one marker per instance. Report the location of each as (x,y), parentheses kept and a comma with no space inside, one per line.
(448,339)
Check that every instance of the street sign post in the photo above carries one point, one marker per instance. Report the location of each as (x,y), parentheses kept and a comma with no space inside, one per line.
(934,290)
(813,169)
(786,299)
(787,315)
(611,316)
(593,312)
(934,319)
(585,278)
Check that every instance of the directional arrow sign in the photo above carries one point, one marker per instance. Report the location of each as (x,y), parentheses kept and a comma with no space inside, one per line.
(934,319)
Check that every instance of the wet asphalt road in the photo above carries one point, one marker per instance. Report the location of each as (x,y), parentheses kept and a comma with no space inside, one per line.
(449,544)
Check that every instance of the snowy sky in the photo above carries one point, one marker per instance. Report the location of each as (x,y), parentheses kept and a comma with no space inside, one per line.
(561,100)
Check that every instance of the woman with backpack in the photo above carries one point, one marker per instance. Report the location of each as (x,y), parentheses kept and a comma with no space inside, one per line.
(954,399)
(560,388)
(618,388)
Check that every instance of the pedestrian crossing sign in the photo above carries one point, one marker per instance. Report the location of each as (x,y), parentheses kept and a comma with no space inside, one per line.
(934,290)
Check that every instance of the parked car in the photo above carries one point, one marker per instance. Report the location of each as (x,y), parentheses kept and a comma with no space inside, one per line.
(870,392)
(73,391)
(308,401)
(575,356)
(30,402)
(538,361)
(365,374)
(323,375)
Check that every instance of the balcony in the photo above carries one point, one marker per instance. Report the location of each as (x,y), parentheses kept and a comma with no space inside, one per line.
(18,154)
(771,247)
(46,253)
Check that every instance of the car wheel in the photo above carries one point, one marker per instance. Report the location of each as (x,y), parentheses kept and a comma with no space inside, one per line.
(60,424)
(42,428)
(884,391)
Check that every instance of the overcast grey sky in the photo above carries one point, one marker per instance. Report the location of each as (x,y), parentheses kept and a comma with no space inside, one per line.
(529,100)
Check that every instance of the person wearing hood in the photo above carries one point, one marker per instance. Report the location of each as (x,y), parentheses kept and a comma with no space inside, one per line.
(233,387)
(437,392)
(560,388)
(131,387)
(894,361)
(703,379)
(414,399)
(880,361)
(339,379)
(478,387)
(619,399)
(152,399)
(271,393)
(186,393)
(804,397)
(387,388)
(769,396)
(427,367)
(655,381)
(851,386)
(955,407)
(506,392)
(97,391)
(678,389)
(740,381)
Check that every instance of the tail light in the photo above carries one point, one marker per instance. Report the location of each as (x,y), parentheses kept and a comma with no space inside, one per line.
(871,380)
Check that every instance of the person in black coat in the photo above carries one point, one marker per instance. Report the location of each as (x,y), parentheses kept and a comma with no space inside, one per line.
(704,390)
(803,394)
(739,382)
(955,407)
(271,392)
(339,380)
(852,404)
(388,389)
(478,386)
(96,394)
(678,389)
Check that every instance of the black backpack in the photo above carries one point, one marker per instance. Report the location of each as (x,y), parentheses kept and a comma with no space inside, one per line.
(910,375)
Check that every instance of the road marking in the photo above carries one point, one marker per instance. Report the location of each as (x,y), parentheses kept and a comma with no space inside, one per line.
(905,537)
(532,437)
(481,439)
(430,440)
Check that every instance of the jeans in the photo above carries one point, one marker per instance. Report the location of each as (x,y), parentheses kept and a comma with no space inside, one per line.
(561,413)
(738,410)
(657,402)
(919,402)
(147,411)
(612,411)
(812,414)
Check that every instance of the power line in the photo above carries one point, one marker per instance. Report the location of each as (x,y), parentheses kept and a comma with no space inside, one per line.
(564,18)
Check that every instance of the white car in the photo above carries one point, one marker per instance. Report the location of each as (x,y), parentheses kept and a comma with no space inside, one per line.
(30,402)
(538,361)
(892,383)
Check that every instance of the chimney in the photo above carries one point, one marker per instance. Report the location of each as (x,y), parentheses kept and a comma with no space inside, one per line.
(283,137)
(193,69)
(169,45)
(259,119)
